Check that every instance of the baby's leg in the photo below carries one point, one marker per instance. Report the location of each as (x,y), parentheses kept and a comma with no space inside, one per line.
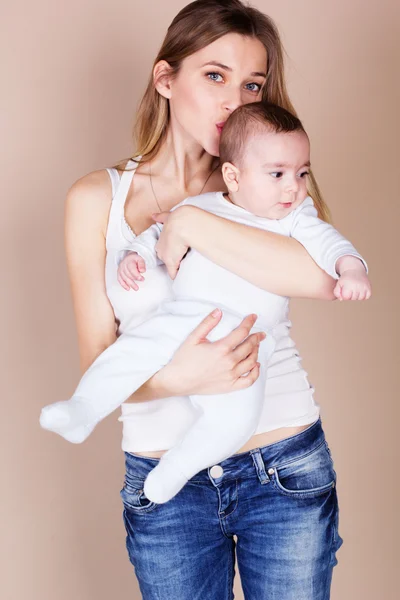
(224,425)
(118,372)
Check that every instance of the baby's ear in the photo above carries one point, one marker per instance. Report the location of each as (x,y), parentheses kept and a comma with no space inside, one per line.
(230,173)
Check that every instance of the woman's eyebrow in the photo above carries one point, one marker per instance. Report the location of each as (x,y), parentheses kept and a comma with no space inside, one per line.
(215,63)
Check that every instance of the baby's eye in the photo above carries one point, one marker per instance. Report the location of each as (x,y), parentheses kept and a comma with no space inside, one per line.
(258,87)
(277,174)
(304,174)
(210,75)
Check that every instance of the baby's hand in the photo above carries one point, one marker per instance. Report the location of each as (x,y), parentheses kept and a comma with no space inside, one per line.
(353,284)
(130,269)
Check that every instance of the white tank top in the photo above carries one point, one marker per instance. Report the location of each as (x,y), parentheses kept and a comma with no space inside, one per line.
(159,424)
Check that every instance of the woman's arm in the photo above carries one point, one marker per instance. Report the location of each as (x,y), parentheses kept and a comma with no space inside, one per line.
(270,261)
(86,211)
(199,366)
(86,215)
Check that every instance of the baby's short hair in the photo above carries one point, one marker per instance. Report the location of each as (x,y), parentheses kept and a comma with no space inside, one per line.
(249,119)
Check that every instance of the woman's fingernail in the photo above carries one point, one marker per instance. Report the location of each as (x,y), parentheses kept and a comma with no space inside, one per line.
(216,312)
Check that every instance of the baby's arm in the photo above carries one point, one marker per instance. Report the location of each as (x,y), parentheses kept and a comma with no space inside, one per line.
(141,253)
(331,251)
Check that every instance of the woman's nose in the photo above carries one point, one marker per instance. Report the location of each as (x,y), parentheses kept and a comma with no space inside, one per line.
(232,99)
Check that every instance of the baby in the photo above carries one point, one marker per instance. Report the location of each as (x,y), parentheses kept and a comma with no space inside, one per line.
(265,156)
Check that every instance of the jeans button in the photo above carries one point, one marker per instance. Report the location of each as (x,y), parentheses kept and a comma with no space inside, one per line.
(270,471)
(216,471)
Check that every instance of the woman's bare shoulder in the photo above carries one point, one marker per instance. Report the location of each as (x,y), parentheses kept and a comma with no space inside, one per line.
(89,198)
(92,186)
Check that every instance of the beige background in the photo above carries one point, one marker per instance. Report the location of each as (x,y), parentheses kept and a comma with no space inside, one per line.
(71,77)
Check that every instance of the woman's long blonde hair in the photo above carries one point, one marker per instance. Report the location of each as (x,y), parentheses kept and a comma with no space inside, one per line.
(197,25)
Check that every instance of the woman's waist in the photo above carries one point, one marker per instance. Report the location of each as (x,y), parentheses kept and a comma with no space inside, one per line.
(257,440)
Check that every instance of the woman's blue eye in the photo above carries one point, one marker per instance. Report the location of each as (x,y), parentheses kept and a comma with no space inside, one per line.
(217,74)
(258,87)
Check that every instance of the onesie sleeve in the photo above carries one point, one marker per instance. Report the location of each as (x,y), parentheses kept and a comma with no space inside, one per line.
(145,245)
(322,241)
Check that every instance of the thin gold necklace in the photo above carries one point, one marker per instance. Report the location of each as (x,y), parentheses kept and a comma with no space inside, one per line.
(154,194)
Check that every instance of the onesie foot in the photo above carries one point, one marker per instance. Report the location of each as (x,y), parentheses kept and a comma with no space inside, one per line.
(69,419)
(164,481)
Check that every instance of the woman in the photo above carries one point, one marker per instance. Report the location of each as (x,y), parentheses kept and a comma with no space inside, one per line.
(277,494)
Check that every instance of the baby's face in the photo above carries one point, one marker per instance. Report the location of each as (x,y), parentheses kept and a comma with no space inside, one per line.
(273,174)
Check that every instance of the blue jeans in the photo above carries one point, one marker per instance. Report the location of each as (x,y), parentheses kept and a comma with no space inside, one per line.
(280,501)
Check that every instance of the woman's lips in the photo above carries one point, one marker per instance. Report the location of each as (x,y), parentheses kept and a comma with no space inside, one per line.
(220,127)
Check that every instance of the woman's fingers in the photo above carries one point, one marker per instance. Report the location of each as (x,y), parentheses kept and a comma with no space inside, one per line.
(200,333)
(161,217)
(172,268)
(244,366)
(238,334)
(246,347)
(239,337)
(247,380)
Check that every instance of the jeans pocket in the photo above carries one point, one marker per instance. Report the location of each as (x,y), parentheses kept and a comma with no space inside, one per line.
(133,496)
(310,475)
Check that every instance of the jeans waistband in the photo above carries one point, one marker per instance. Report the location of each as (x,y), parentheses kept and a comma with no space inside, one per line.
(242,465)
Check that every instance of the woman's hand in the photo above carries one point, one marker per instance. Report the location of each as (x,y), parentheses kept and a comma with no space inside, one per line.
(171,246)
(203,367)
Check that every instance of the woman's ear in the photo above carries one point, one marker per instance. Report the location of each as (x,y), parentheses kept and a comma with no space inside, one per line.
(162,78)
(230,173)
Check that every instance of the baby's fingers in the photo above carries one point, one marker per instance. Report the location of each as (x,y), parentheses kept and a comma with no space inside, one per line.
(141,265)
(126,280)
(365,293)
(132,271)
(338,291)
(121,281)
(347,293)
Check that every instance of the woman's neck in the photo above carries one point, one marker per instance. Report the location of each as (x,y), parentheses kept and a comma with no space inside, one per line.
(187,164)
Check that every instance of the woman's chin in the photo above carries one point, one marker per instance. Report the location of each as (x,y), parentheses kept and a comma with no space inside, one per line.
(213,148)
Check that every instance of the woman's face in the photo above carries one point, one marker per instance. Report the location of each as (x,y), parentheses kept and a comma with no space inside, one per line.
(212,83)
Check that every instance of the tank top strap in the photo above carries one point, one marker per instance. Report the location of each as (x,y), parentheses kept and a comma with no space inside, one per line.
(115,180)
(120,188)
